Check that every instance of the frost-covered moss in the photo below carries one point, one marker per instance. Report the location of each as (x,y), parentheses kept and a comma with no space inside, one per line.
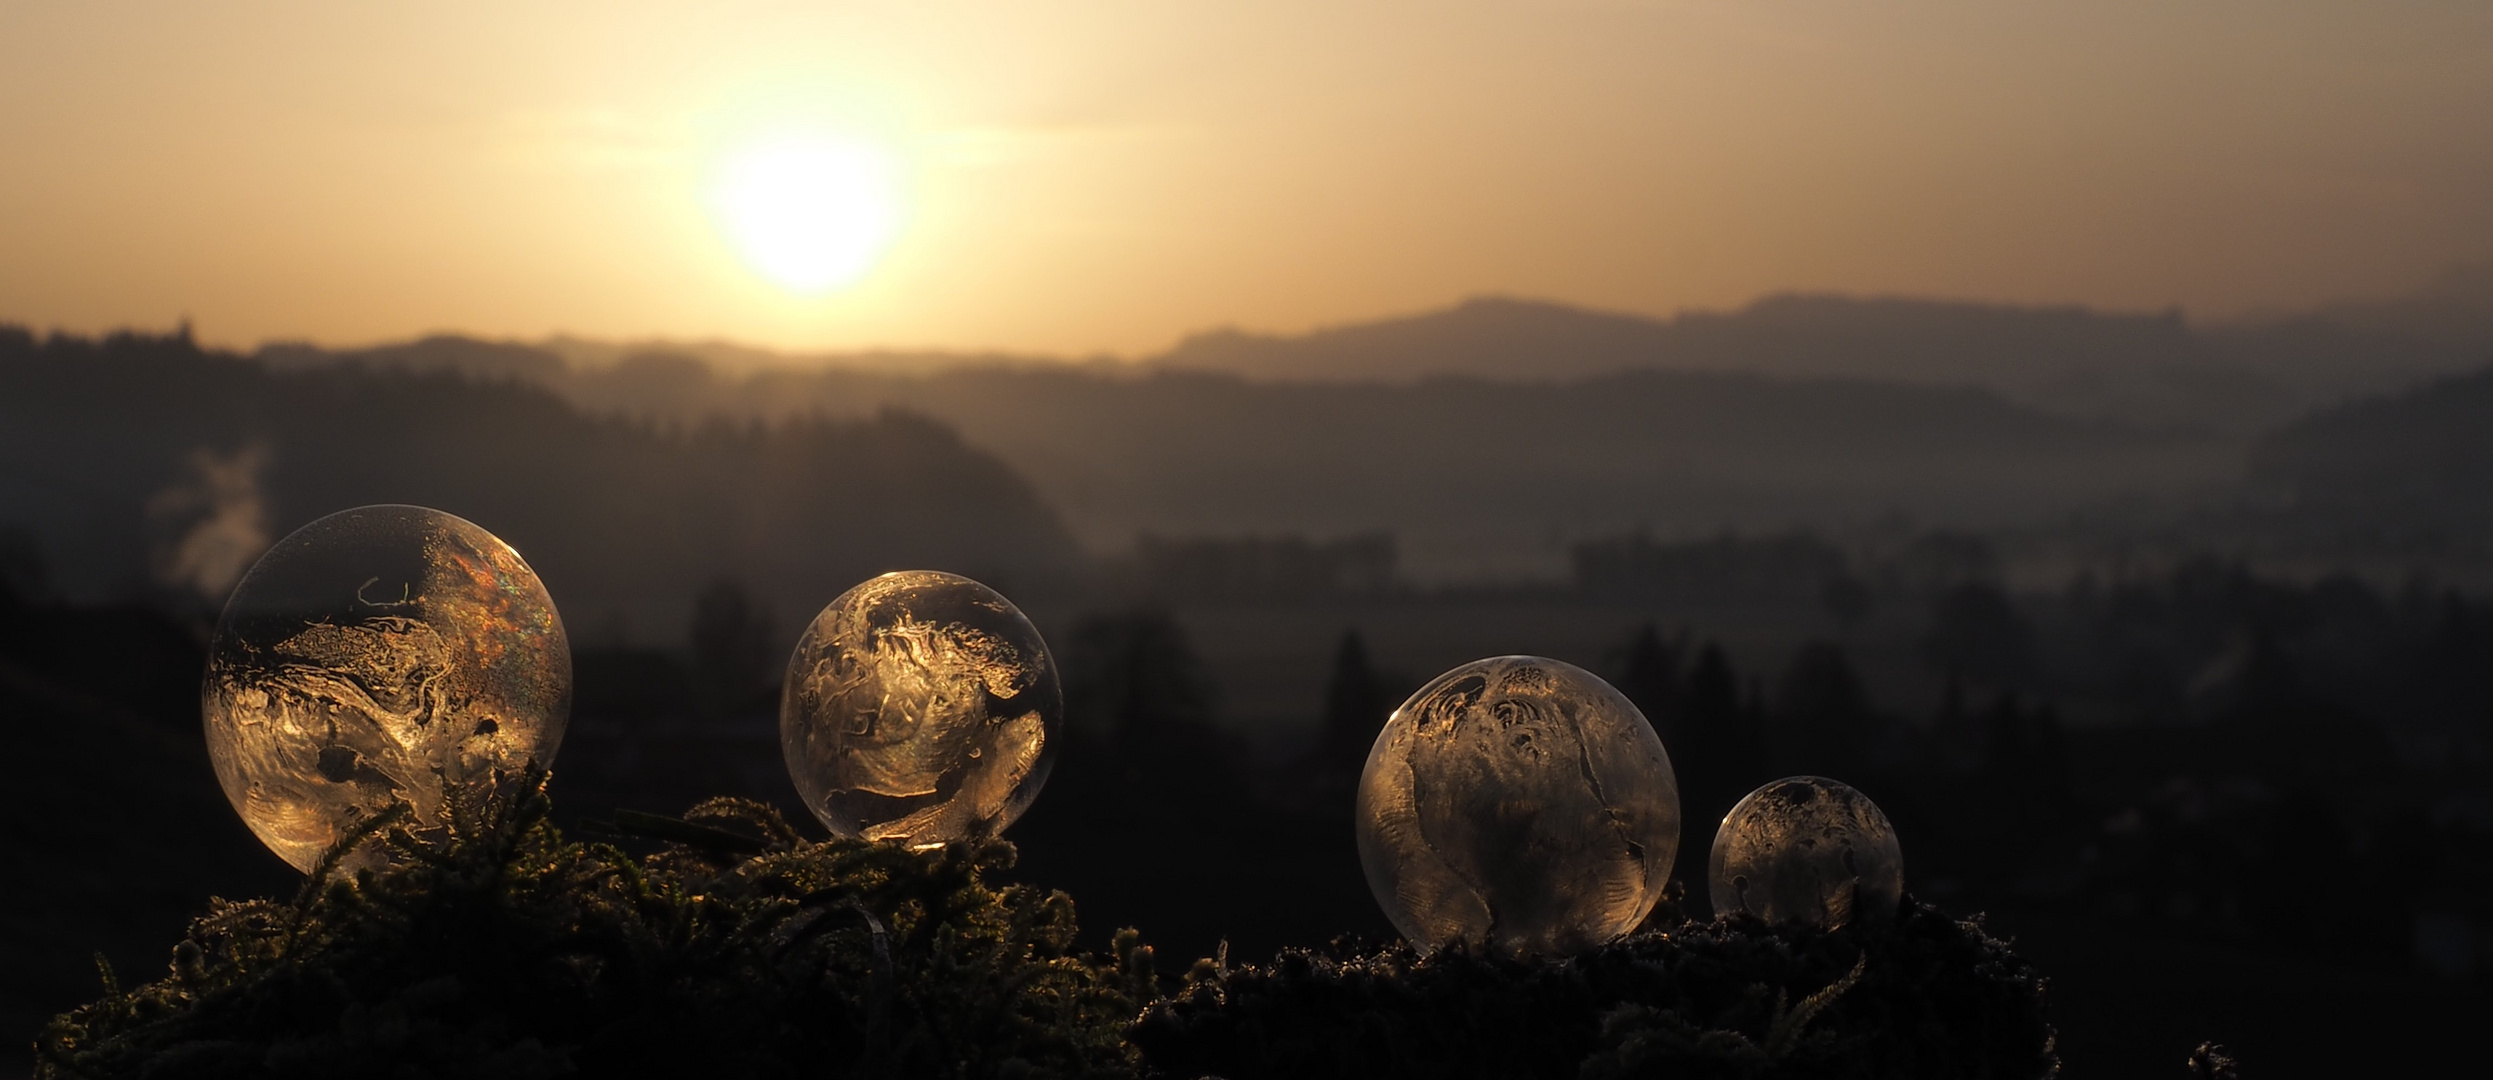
(1925,996)
(495,948)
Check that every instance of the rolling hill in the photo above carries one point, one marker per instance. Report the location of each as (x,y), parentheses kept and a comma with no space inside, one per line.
(151,465)
(2408,473)
(2149,369)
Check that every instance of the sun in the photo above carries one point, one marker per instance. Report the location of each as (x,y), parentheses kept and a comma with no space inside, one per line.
(811,214)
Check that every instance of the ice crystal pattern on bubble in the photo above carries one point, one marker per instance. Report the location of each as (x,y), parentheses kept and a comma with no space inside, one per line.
(1807,850)
(367,659)
(922,707)
(1517,804)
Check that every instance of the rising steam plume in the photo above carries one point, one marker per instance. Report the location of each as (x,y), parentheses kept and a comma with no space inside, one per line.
(217,521)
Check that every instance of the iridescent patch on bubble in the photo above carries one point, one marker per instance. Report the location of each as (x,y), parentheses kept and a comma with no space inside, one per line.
(370,658)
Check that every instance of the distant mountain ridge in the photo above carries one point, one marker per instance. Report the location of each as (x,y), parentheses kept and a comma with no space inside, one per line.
(1791,334)
(1477,477)
(2153,369)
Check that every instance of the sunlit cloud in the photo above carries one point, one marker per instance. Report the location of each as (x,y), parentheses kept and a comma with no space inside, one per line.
(987,146)
(597,140)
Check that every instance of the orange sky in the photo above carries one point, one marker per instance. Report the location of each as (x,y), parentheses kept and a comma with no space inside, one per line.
(1082,177)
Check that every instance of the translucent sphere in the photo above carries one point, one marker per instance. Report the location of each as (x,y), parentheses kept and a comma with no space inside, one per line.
(1807,850)
(922,707)
(371,657)
(1517,804)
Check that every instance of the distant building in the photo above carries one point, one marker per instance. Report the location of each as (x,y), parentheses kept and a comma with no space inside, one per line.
(1195,569)
(1727,568)
(1941,560)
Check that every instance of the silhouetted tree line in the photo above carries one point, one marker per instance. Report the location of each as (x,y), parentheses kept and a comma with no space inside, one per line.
(2316,732)
(1169,818)
(2219,820)
(2249,746)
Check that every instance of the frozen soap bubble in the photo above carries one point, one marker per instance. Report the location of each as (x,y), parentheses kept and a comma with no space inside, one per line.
(1807,850)
(921,707)
(1517,804)
(371,657)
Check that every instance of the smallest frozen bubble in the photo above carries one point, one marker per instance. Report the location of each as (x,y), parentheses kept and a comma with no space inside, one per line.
(1809,851)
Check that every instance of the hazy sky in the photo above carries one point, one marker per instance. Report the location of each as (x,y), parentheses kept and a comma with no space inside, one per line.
(1077,177)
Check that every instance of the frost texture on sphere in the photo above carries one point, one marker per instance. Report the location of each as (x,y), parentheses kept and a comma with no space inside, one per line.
(922,707)
(368,658)
(1807,850)
(1517,804)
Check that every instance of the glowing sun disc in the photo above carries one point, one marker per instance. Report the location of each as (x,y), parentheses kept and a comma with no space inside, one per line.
(811,215)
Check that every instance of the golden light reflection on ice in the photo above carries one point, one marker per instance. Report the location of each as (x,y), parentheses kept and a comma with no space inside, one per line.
(920,706)
(1520,804)
(371,657)
(1806,850)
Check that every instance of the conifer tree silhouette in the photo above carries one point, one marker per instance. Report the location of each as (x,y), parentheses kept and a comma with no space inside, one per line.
(1354,702)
